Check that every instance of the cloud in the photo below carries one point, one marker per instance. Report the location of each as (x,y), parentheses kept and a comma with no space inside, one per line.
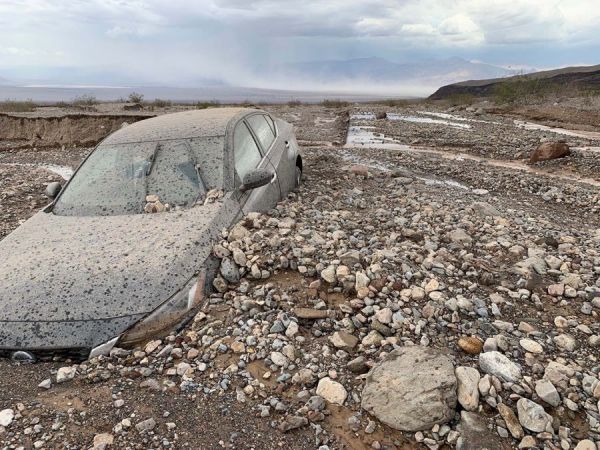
(231,39)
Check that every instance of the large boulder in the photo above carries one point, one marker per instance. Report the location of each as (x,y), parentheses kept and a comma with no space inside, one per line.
(413,389)
(549,150)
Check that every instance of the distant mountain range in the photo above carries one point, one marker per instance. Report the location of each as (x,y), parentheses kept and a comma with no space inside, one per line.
(426,72)
(580,77)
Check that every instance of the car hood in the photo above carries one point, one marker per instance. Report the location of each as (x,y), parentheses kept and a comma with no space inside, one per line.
(66,269)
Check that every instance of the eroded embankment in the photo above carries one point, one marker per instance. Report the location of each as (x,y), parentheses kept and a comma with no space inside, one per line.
(79,129)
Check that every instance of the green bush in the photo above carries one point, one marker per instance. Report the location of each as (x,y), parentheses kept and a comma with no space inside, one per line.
(331,103)
(463,98)
(134,97)
(17,106)
(523,90)
(204,105)
(158,103)
(85,100)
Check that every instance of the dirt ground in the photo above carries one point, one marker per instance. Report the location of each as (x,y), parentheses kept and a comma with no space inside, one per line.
(480,154)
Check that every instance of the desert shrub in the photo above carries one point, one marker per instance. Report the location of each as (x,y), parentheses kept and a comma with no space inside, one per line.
(134,97)
(294,103)
(159,103)
(85,100)
(17,106)
(333,103)
(522,90)
(62,104)
(461,98)
(204,105)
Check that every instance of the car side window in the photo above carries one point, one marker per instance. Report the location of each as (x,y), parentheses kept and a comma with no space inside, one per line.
(262,130)
(245,152)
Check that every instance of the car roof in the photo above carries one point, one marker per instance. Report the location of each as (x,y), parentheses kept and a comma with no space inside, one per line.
(182,125)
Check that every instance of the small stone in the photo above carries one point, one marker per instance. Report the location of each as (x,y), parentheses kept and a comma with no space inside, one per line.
(565,342)
(470,345)
(6,417)
(547,392)
(586,444)
(514,427)
(332,391)
(102,441)
(328,274)
(528,442)
(497,364)
(46,384)
(65,374)
(358,365)
(468,387)
(343,340)
(531,346)
(532,416)
(146,425)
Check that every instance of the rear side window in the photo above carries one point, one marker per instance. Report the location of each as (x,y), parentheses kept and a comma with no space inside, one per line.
(262,129)
(246,153)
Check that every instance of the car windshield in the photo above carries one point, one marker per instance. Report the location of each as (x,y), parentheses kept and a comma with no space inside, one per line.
(118,179)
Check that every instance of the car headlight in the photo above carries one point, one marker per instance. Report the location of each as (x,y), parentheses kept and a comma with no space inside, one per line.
(168,315)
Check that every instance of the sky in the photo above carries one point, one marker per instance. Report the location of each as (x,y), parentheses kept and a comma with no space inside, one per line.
(239,41)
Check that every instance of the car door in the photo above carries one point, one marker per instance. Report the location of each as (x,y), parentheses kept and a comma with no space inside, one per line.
(248,156)
(280,147)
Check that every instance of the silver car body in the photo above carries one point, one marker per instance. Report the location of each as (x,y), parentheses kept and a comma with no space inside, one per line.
(75,283)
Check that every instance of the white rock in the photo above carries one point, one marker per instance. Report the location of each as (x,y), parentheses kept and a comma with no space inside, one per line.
(531,346)
(6,417)
(468,387)
(65,374)
(547,392)
(384,315)
(532,416)
(495,363)
(279,359)
(565,342)
(332,391)
(328,274)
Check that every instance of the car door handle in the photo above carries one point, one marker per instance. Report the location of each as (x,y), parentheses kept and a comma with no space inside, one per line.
(287,144)
(274,177)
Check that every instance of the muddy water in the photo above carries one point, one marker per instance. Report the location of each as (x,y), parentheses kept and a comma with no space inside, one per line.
(63,171)
(594,135)
(364,137)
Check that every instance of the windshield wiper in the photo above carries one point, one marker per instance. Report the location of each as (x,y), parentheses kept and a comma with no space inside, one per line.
(153,159)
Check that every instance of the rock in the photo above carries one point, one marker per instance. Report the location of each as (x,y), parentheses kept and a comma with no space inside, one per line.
(586,444)
(512,423)
(328,274)
(146,425)
(468,387)
(474,433)
(6,417)
(65,374)
(46,384)
(497,364)
(565,342)
(413,389)
(532,416)
(556,290)
(313,314)
(359,170)
(229,270)
(558,374)
(549,150)
(279,359)
(350,258)
(459,236)
(470,345)
(358,365)
(531,346)
(343,340)
(528,442)
(373,338)
(292,422)
(547,392)
(332,391)
(102,441)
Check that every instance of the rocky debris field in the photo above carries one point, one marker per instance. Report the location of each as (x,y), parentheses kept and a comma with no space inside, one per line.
(399,299)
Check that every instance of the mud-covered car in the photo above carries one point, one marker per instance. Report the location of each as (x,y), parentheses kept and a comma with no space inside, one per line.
(124,251)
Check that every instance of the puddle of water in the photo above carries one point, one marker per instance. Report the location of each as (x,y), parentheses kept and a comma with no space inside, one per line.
(453,117)
(63,171)
(394,116)
(363,116)
(594,135)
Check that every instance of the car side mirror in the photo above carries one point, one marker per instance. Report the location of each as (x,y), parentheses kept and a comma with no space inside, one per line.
(52,189)
(256,178)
